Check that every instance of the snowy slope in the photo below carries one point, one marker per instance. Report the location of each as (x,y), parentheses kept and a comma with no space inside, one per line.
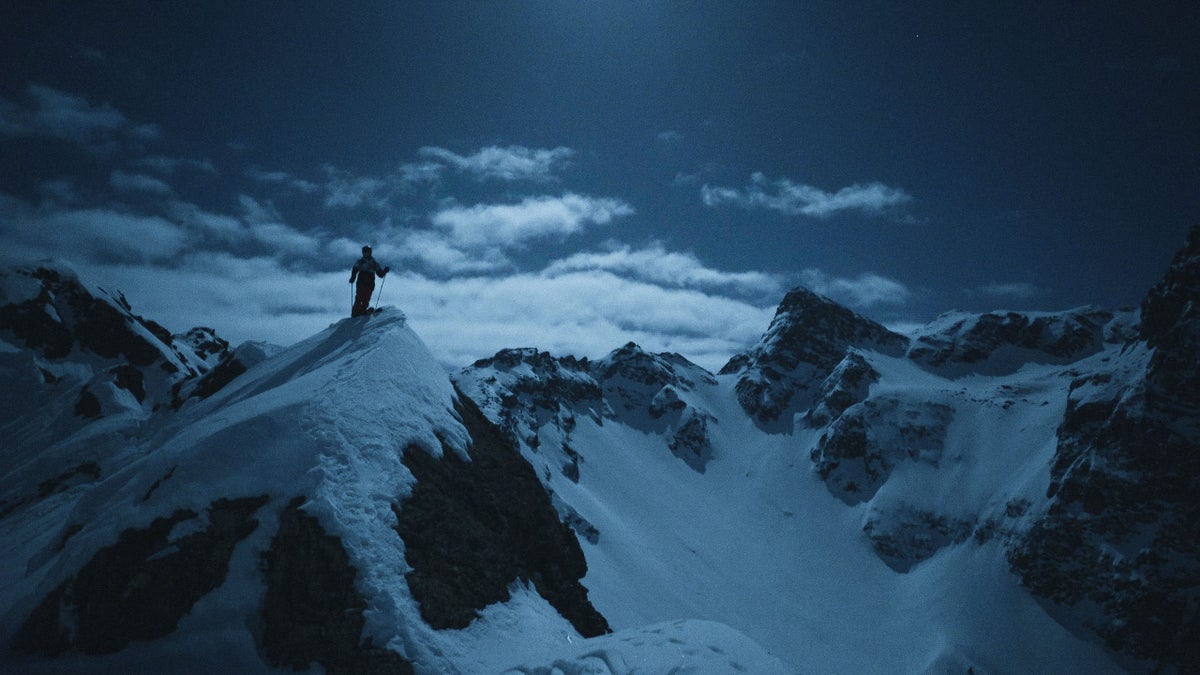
(1010,492)
(310,446)
(1004,492)
(760,543)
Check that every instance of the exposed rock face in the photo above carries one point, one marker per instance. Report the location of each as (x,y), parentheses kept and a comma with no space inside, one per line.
(472,529)
(1001,342)
(74,332)
(86,356)
(141,586)
(535,396)
(1118,550)
(312,612)
(860,449)
(849,383)
(903,535)
(806,340)
(644,391)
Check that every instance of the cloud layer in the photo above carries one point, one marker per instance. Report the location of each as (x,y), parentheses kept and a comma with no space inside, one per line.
(795,199)
(267,257)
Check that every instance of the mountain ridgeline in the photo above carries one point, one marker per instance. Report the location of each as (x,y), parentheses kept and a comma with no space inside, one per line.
(164,497)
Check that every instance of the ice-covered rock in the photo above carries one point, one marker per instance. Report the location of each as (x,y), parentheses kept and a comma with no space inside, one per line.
(536,398)
(863,446)
(998,343)
(806,340)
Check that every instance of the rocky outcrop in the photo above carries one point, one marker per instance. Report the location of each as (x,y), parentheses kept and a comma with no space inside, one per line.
(998,343)
(473,529)
(1118,550)
(141,586)
(806,340)
(848,384)
(74,330)
(311,611)
(647,391)
(863,446)
(903,535)
(535,397)
(80,355)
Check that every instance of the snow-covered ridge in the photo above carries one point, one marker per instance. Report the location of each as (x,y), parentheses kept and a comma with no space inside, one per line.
(1005,492)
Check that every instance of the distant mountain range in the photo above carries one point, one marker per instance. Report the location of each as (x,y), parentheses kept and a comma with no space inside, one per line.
(999,492)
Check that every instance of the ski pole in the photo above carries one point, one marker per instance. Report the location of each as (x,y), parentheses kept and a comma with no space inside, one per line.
(379,297)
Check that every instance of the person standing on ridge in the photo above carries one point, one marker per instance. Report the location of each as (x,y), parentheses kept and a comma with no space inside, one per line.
(365,270)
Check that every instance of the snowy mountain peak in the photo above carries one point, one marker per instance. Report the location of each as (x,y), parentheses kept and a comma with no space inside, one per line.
(316,496)
(77,362)
(806,340)
(1000,343)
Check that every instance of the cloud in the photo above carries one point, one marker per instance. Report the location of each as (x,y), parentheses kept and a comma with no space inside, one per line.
(796,199)
(61,190)
(864,291)
(1018,290)
(513,163)
(282,178)
(169,165)
(438,254)
(657,265)
(586,313)
(254,211)
(669,136)
(243,298)
(208,225)
(138,182)
(51,113)
(511,225)
(95,234)
(347,190)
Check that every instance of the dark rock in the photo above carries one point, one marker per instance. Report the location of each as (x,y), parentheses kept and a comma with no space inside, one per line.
(84,473)
(971,341)
(87,405)
(862,447)
(903,536)
(1118,550)
(312,612)
(472,529)
(139,587)
(848,384)
(209,383)
(806,340)
(130,378)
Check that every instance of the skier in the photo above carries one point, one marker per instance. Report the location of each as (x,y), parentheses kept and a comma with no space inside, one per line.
(365,270)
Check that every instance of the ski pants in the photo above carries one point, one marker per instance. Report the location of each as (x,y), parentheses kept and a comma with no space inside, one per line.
(362,299)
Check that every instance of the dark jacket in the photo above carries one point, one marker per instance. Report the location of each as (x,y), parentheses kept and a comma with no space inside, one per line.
(366,269)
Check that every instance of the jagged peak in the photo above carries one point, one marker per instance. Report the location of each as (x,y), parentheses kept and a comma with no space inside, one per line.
(1176,295)
(1001,341)
(538,360)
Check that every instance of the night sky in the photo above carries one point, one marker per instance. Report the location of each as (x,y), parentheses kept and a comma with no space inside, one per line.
(576,175)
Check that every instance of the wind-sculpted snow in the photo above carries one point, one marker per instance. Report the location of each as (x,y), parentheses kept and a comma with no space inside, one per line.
(313,441)
(675,647)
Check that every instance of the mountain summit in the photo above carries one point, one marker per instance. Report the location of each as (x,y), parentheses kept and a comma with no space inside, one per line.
(337,503)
